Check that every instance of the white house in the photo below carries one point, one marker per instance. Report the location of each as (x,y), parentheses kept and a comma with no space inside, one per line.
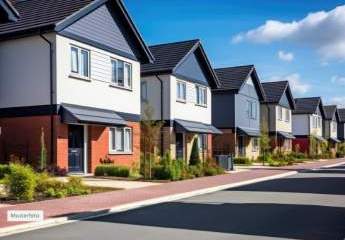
(73,75)
(178,87)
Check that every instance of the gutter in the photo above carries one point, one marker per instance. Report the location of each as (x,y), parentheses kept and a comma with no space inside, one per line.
(162,108)
(51,93)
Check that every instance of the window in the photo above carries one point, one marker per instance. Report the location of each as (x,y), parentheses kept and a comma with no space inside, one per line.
(315,121)
(280,113)
(334,126)
(144,91)
(319,122)
(287,115)
(80,61)
(120,140)
(201,95)
(181,91)
(121,73)
(202,142)
(255,144)
(252,109)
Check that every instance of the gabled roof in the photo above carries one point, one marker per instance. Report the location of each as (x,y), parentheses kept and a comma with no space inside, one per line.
(169,56)
(341,112)
(308,105)
(330,112)
(42,16)
(233,78)
(8,11)
(274,91)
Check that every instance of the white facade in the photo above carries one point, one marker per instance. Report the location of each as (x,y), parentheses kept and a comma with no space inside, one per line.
(283,119)
(334,129)
(173,108)
(24,72)
(97,91)
(25,76)
(306,124)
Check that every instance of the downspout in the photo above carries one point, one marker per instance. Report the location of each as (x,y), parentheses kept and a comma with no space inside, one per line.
(162,114)
(51,93)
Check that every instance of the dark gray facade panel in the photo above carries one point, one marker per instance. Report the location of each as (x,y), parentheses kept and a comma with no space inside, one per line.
(284,101)
(100,26)
(341,131)
(223,110)
(192,69)
(247,93)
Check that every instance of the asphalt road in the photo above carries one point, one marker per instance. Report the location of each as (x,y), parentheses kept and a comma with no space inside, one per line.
(308,205)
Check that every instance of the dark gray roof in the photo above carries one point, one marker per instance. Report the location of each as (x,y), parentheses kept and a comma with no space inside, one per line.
(307,105)
(169,56)
(232,78)
(330,111)
(341,112)
(7,12)
(274,91)
(41,16)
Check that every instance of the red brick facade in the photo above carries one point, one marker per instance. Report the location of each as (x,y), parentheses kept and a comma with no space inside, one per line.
(21,137)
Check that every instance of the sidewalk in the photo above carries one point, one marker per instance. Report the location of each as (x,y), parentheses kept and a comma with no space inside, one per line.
(106,201)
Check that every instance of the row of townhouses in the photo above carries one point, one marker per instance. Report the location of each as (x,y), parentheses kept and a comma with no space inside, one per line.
(76,75)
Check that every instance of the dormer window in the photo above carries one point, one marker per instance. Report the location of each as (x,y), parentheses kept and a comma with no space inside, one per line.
(80,62)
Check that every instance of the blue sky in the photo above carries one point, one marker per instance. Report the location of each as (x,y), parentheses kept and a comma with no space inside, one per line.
(312,50)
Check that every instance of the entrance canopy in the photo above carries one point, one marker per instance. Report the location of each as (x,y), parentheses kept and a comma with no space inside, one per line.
(285,135)
(78,114)
(248,132)
(319,138)
(195,127)
(335,140)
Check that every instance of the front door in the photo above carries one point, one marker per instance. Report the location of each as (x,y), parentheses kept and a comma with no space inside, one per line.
(179,146)
(75,148)
(241,146)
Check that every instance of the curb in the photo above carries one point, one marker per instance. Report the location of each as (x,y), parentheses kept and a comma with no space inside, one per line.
(130,206)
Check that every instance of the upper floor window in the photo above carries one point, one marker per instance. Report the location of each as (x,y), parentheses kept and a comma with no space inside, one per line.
(252,109)
(315,120)
(120,140)
(181,91)
(280,113)
(319,122)
(201,95)
(121,73)
(80,61)
(334,126)
(287,115)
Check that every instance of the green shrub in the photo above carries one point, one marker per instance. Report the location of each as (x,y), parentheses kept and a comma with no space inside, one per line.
(242,160)
(194,156)
(196,170)
(21,182)
(112,170)
(210,171)
(75,186)
(173,171)
(4,169)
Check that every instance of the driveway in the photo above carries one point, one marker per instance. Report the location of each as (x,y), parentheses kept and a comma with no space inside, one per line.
(309,205)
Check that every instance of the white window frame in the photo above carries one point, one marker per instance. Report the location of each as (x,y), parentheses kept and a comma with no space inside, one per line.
(115,74)
(112,138)
(280,113)
(287,115)
(181,91)
(78,72)
(255,147)
(252,110)
(201,95)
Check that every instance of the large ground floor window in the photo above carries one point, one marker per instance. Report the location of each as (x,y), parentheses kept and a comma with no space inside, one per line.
(120,140)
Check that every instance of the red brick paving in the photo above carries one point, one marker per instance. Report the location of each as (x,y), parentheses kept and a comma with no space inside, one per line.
(60,207)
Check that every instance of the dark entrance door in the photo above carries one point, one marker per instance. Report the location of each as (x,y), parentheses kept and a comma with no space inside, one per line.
(179,146)
(75,148)
(241,146)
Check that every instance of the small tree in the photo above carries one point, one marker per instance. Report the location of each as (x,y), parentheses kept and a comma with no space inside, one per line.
(150,130)
(194,156)
(264,143)
(43,153)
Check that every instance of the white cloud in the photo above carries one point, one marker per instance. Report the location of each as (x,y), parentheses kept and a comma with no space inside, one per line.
(296,84)
(286,56)
(338,80)
(323,31)
(340,101)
